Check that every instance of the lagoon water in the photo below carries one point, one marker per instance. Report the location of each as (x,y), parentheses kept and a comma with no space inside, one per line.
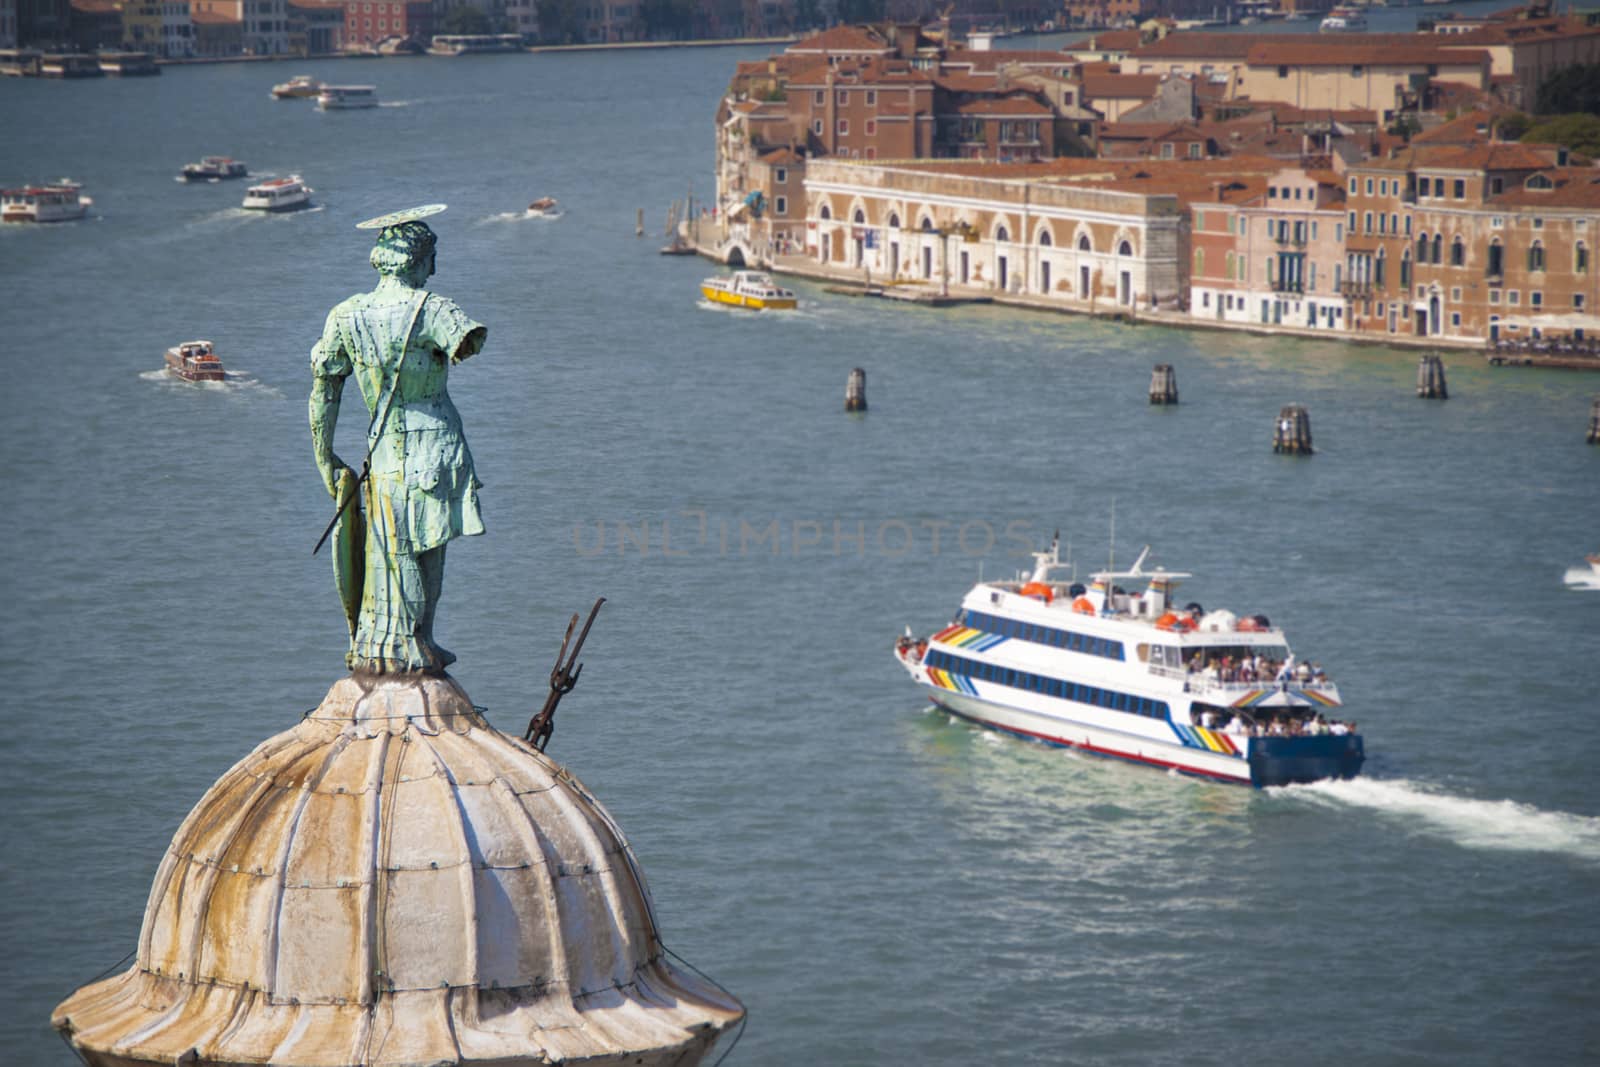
(879,884)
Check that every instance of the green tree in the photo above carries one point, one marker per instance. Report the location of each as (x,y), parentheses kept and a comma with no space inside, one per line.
(1574,89)
(1512,127)
(1581,133)
(466,19)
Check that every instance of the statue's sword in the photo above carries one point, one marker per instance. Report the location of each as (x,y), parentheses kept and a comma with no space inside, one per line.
(377,434)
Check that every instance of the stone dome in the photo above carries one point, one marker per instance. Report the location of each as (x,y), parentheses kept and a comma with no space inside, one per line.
(393,881)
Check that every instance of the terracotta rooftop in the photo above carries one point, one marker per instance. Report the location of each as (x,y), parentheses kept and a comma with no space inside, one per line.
(1120,86)
(1022,106)
(847,39)
(782,157)
(1468,129)
(1571,187)
(1108,41)
(1417,51)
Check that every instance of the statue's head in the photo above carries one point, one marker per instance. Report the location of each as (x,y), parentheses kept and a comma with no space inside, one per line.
(405,251)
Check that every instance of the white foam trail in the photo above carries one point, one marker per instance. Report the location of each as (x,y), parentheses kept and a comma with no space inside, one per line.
(1494,825)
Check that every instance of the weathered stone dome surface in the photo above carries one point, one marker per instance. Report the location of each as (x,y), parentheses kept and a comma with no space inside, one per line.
(393,881)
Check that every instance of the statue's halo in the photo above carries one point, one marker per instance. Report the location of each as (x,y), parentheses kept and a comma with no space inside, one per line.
(395,218)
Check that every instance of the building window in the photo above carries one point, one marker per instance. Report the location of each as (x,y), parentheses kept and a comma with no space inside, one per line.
(1494,296)
(844,127)
(1353,183)
(1538,223)
(819,98)
(1455,294)
(842,97)
(781,205)
(1536,299)
(1536,256)
(1497,185)
(1577,301)
(1455,320)
(872,97)
(1272,192)
(1369,186)
(780,176)
(1199,261)
(871,127)
(1368,220)
(1199,220)
(1166,150)
(1458,253)
(1496,265)
(871,153)
(1460,192)
(816,126)
(1194,150)
(1513,297)
(1283,71)
(1580,258)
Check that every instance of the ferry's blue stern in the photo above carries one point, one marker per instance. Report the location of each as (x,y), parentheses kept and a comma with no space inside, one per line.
(1287,760)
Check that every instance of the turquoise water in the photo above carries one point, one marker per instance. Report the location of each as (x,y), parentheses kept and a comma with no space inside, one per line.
(880,885)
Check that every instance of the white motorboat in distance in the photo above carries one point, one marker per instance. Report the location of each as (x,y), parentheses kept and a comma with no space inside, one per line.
(1132,676)
(279,194)
(347,97)
(546,207)
(1344,20)
(748,289)
(61,202)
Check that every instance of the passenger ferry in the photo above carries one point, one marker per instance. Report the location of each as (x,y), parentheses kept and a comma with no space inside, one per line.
(214,168)
(279,194)
(297,87)
(466,44)
(1344,20)
(347,97)
(748,289)
(1133,676)
(127,64)
(61,202)
(69,65)
(195,361)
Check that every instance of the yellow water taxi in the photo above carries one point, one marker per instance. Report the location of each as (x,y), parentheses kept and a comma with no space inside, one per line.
(748,289)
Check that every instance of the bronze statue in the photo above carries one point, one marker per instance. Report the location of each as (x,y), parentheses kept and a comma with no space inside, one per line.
(418,486)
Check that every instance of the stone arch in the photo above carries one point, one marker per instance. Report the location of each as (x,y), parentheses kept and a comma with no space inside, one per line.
(1045,239)
(1085,242)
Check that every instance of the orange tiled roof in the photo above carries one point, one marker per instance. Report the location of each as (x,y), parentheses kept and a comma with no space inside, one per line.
(1418,51)
(1024,106)
(1573,187)
(781,157)
(1120,86)
(842,39)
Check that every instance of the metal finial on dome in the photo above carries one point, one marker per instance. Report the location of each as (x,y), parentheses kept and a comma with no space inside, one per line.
(395,218)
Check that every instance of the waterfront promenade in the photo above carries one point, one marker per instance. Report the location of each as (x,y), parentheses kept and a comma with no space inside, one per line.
(714,246)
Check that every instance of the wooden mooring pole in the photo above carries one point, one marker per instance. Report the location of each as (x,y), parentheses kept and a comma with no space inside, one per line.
(1430,379)
(1594,422)
(855,391)
(1163,385)
(1292,433)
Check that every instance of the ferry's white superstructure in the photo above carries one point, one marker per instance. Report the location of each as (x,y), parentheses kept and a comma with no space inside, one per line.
(1131,675)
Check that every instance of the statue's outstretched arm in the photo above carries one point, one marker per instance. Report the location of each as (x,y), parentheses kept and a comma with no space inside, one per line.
(326,389)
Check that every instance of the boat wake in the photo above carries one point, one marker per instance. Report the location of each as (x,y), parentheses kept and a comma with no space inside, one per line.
(236,382)
(397,103)
(1491,825)
(765,313)
(1582,578)
(503,218)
